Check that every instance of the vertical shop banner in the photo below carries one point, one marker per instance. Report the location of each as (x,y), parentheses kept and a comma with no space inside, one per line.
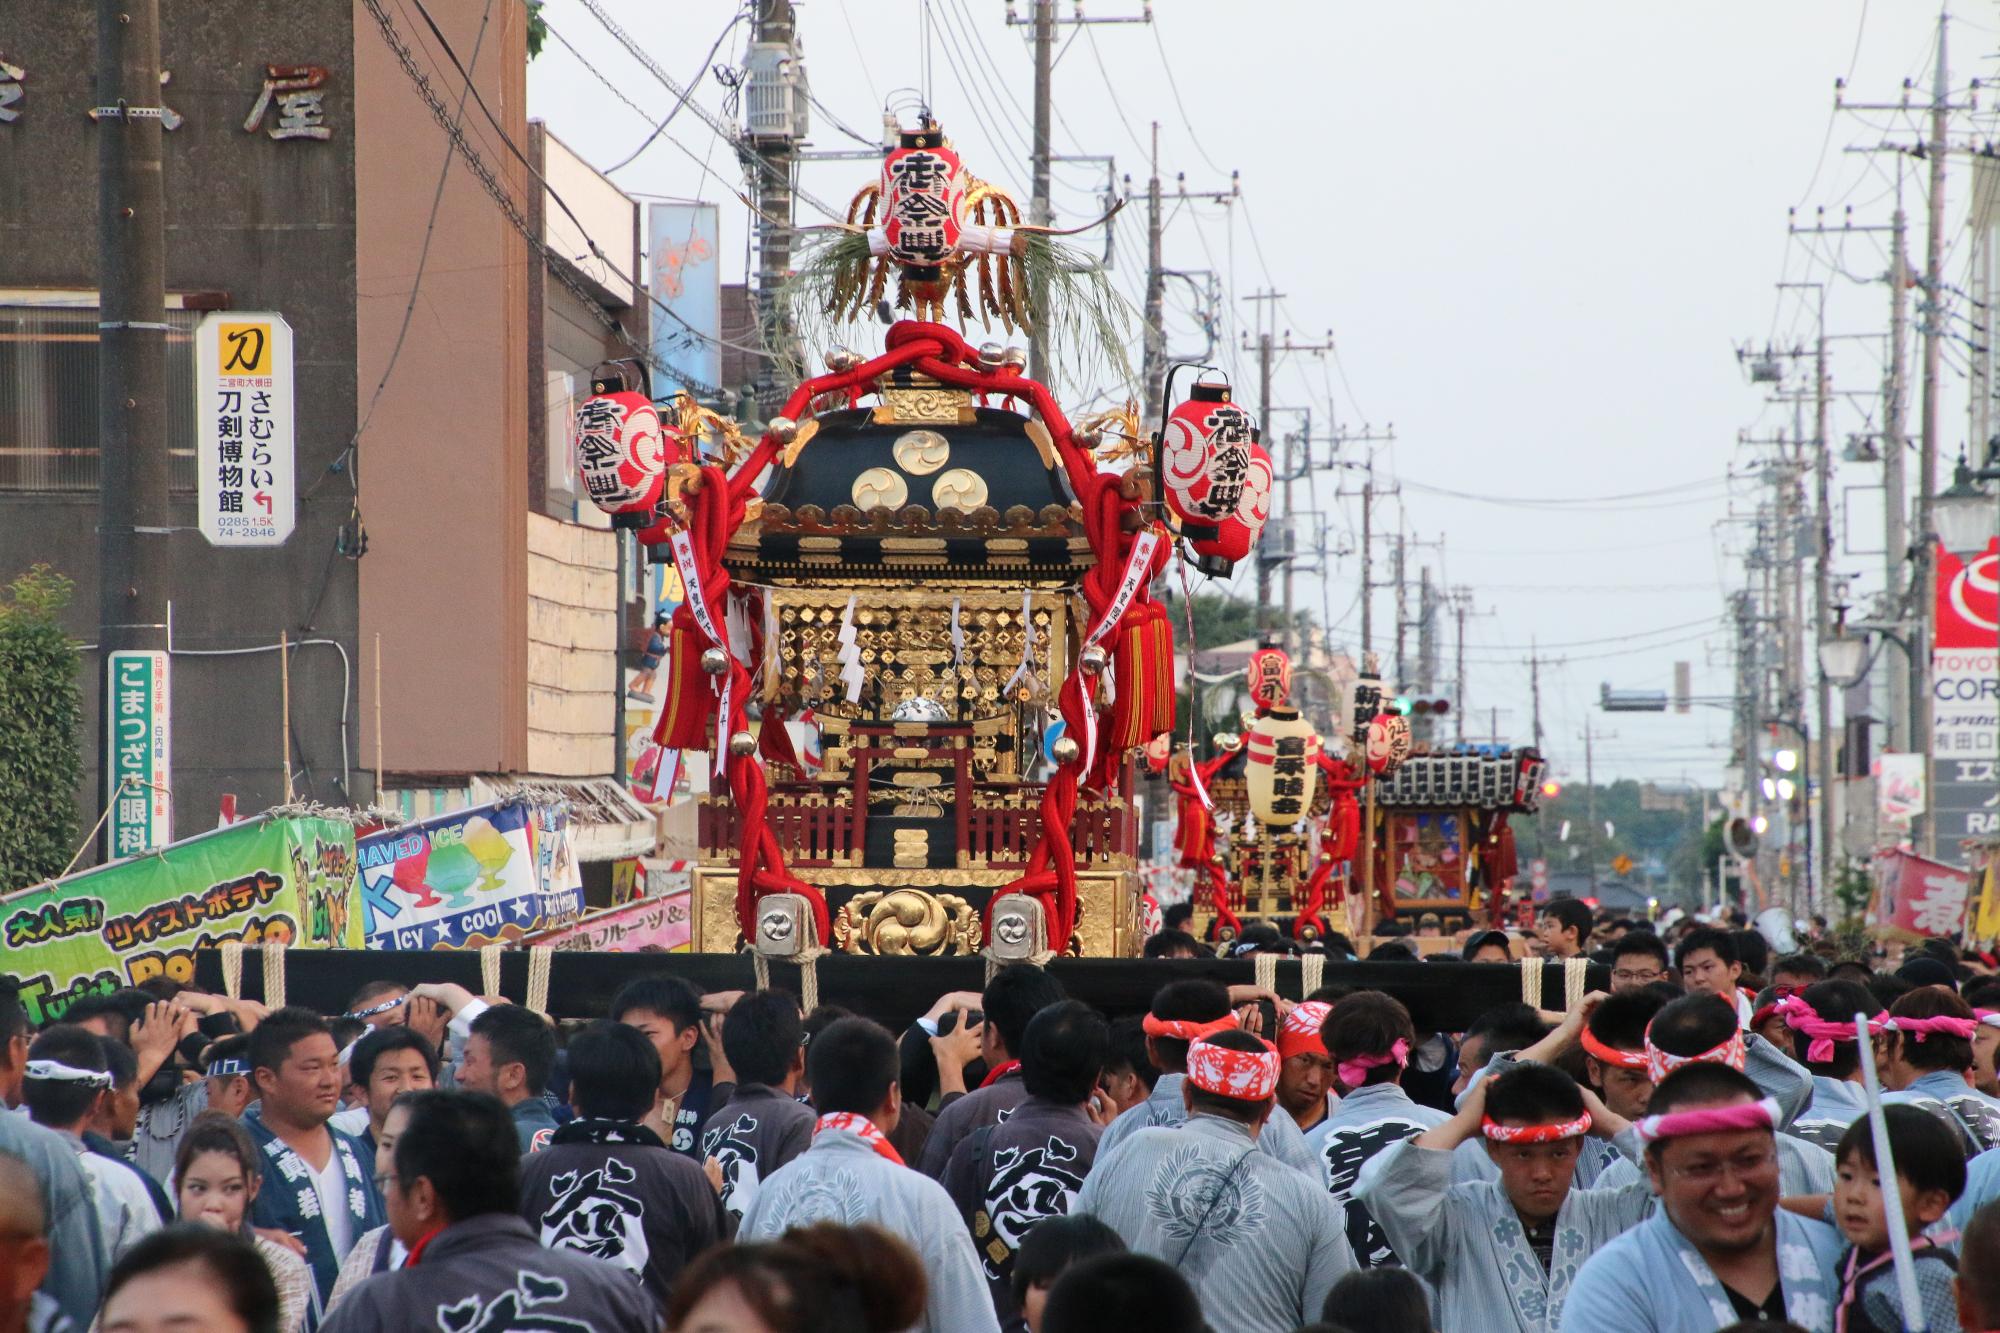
(1920,898)
(135,921)
(138,753)
(467,879)
(244,400)
(683,248)
(1965,699)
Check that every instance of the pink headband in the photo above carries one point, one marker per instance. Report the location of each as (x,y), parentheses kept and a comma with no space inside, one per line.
(1186,1029)
(1800,1016)
(1353,1070)
(1247,1076)
(1990,1017)
(1763,1114)
(1661,1063)
(1943,1025)
(1554,1133)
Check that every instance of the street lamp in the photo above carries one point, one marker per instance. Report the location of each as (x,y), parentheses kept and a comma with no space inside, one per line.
(1843,657)
(1964,513)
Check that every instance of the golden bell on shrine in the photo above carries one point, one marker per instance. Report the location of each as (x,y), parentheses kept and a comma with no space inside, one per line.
(1281,767)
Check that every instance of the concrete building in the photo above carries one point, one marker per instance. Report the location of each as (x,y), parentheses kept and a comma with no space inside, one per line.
(436,531)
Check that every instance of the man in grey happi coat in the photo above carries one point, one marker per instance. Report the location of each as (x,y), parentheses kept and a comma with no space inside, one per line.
(474,1263)
(1719,1250)
(1014,996)
(1502,1253)
(1261,1243)
(1007,1177)
(1181,1012)
(1369,1036)
(852,1174)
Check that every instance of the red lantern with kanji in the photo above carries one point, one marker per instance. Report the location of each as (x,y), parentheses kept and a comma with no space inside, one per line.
(1205,463)
(1270,675)
(1239,532)
(1389,743)
(923,202)
(622,453)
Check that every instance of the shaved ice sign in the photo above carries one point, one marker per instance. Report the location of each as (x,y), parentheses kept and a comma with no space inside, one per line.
(487,875)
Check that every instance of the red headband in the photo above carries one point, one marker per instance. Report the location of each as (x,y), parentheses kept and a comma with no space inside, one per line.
(1246,1076)
(1611,1055)
(1554,1133)
(1299,1034)
(1186,1029)
(1762,1114)
(1661,1063)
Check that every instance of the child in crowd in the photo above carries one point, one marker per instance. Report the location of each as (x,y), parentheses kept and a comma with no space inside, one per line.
(216,1176)
(1930,1175)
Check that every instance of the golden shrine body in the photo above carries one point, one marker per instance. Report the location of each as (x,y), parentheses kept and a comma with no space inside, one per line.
(919,561)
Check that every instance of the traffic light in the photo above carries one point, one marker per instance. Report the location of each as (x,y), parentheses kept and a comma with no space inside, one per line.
(1410,706)
(1551,789)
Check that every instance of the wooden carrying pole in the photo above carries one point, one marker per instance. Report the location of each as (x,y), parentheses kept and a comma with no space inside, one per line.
(1441,996)
(378,719)
(285,706)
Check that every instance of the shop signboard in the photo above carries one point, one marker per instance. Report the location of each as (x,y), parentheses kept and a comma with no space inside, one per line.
(284,879)
(467,879)
(246,482)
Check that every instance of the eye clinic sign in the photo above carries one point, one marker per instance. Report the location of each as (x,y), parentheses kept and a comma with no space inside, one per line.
(244,398)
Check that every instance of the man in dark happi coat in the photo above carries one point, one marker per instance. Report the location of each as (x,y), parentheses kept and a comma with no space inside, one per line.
(1008,1176)
(1016,993)
(606,1186)
(763,1125)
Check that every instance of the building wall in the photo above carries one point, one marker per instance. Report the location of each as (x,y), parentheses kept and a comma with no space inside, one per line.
(444,466)
(271,225)
(572,665)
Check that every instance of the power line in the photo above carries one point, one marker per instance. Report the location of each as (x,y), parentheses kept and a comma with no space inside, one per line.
(686,93)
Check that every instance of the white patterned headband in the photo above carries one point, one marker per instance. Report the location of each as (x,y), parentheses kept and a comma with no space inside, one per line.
(55,1071)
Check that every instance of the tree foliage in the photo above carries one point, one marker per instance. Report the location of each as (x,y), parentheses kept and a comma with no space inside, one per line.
(41,712)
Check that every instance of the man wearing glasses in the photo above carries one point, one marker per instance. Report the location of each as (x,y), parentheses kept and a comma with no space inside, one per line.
(1719,1250)
(1639,959)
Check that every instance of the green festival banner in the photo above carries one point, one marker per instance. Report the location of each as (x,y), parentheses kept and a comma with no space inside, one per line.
(271,878)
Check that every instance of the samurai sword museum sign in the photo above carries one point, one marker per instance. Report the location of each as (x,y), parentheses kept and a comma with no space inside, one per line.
(138,755)
(243,428)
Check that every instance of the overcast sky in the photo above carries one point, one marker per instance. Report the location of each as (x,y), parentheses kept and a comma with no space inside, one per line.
(1536,232)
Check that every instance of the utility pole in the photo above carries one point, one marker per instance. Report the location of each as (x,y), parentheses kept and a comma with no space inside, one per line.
(1153,372)
(1044,20)
(1895,495)
(1366,467)
(134,551)
(1823,611)
(1290,471)
(1590,803)
(1923,832)
(1039,210)
(1461,601)
(1402,609)
(1426,726)
(1920,549)
(776,123)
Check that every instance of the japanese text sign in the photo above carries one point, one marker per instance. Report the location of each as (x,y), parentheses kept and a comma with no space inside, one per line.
(244,400)
(123,924)
(138,754)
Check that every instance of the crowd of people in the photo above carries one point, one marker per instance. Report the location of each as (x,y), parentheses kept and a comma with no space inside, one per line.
(1688,1151)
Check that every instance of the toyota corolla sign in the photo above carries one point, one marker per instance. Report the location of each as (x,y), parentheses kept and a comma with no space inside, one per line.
(1965,697)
